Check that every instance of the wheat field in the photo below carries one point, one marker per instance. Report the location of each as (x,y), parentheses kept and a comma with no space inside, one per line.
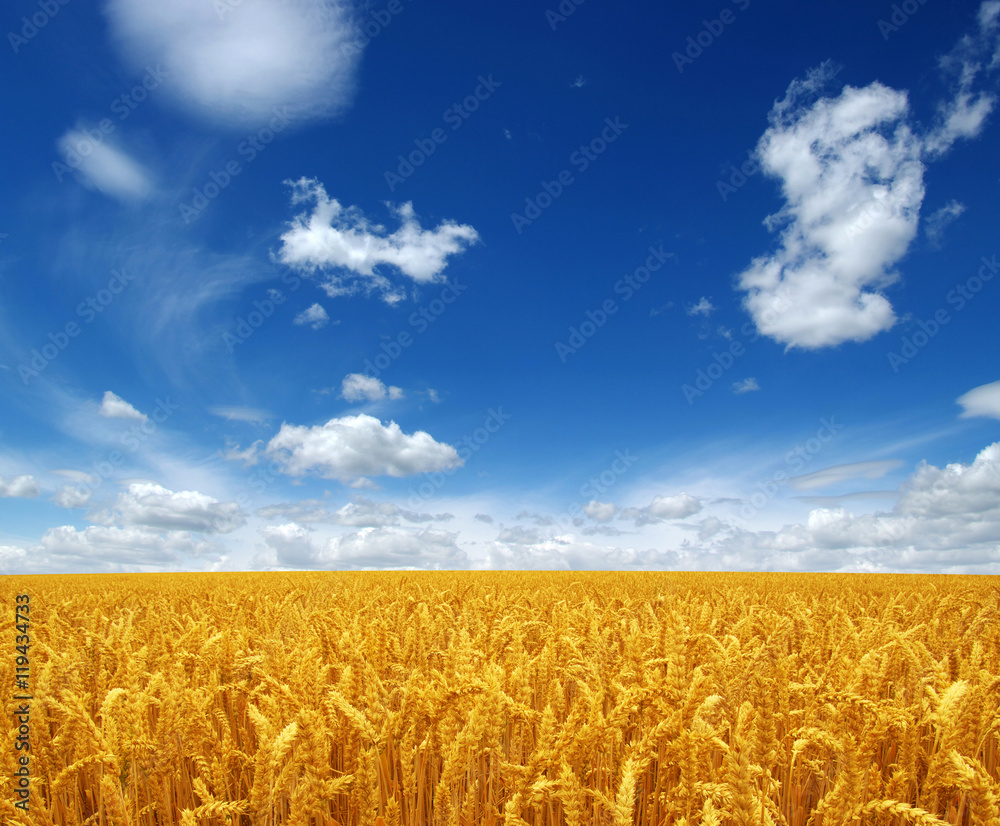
(511,698)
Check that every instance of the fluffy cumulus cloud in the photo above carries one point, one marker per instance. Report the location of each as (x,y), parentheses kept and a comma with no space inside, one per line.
(600,511)
(293,546)
(357,387)
(20,487)
(981,401)
(333,237)
(237,63)
(103,166)
(115,407)
(852,179)
(358,446)
(148,505)
(851,172)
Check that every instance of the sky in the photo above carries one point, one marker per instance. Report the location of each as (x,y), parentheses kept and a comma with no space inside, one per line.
(304,285)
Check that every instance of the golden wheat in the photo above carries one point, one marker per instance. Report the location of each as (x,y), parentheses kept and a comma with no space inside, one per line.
(522,699)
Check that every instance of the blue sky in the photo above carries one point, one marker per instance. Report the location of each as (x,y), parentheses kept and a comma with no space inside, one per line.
(287,284)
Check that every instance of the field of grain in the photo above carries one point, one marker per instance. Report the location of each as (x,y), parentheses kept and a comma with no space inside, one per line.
(513,698)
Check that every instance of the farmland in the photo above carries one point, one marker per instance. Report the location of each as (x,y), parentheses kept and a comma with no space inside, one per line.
(412,698)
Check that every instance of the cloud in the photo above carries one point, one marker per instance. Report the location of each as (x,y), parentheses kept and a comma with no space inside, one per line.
(703,307)
(600,511)
(249,456)
(852,179)
(358,446)
(103,166)
(745,386)
(367,513)
(70,496)
(292,546)
(964,115)
(841,473)
(315,316)
(20,487)
(148,505)
(237,67)
(579,82)
(253,415)
(981,401)
(115,407)
(678,506)
(97,546)
(484,517)
(334,237)
(358,387)
(936,222)
(306,510)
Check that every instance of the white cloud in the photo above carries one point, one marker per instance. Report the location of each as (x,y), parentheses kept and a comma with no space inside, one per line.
(841,473)
(745,385)
(292,546)
(147,505)
(252,415)
(367,513)
(248,456)
(703,307)
(358,387)
(600,511)
(936,222)
(70,496)
(238,64)
(679,506)
(852,180)
(964,115)
(96,546)
(20,487)
(334,237)
(981,401)
(115,407)
(103,166)
(354,446)
(315,316)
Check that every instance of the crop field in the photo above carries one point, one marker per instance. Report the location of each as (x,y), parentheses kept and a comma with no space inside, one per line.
(416,698)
